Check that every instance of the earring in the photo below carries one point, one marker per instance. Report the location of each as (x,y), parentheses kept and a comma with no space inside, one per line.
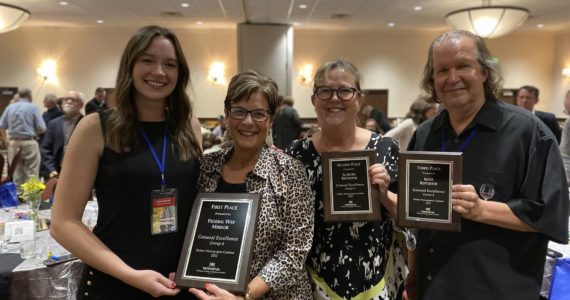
(269,138)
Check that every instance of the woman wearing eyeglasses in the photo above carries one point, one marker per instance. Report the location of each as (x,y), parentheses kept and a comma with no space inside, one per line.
(359,260)
(248,165)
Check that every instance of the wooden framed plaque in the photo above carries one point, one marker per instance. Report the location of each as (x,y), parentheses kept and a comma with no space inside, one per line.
(219,241)
(424,198)
(348,195)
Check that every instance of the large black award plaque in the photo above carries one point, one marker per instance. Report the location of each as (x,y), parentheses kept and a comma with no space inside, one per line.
(219,241)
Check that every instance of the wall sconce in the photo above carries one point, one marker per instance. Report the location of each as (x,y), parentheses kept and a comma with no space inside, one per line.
(47,70)
(566,72)
(217,73)
(306,74)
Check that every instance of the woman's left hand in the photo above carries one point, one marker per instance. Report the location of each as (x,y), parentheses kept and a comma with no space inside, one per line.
(379,175)
(213,292)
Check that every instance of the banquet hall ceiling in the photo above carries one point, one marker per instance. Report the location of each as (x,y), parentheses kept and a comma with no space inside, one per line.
(304,14)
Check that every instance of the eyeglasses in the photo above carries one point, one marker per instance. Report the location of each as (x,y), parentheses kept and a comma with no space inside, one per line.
(325,93)
(65,99)
(240,113)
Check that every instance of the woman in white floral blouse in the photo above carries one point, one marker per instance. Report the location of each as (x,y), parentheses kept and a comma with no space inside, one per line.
(285,223)
(358,260)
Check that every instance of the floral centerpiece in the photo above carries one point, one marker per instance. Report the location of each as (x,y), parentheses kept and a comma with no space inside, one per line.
(31,191)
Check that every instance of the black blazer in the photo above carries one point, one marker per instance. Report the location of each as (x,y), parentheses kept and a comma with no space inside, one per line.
(53,143)
(550,121)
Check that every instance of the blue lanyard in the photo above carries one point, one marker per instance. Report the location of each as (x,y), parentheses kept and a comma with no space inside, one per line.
(462,146)
(161,165)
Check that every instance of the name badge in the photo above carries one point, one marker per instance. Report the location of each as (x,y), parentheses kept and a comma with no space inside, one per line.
(164,211)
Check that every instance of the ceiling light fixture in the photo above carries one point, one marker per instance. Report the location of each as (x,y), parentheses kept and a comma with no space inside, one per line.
(11,17)
(417,8)
(303,6)
(63,3)
(391,24)
(488,21)
(185,5)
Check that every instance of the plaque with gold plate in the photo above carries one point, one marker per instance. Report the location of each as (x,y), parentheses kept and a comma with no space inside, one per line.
(348,195)
(425,180)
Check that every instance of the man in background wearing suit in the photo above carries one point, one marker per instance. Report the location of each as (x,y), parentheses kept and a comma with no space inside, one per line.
(98,103)
(527,97)
(59,131)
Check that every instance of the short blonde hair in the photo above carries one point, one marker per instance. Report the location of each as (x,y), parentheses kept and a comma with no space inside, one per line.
(323,71)
(249,82)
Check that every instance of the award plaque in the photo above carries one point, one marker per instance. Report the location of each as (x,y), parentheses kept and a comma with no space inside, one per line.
(424,198)
(219,241)
(348,195)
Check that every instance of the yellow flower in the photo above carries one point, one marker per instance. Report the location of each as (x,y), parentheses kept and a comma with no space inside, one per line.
(32,187)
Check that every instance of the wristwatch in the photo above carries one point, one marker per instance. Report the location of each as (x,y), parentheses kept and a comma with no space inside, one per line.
(248,295)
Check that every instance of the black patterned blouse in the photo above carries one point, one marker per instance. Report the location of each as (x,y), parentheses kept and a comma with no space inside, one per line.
(285,223)
(358,260)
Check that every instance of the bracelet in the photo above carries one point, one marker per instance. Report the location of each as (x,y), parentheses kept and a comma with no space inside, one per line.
(248,295)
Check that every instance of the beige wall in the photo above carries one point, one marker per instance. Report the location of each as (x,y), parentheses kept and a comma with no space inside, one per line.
(386,61)
(89,58)
(561,60)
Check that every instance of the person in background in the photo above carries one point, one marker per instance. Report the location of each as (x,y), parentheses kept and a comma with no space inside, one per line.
(565,141)
(308,131)
(371,112)
(54,141)
(21,123)
(287,124)
(210,142)
(284,230)
(53,111)
(14,99)
(98,103)
(372,125)
(501,249)
(135,155)
(351,260)
(220,129)
(420,111)
(527,97)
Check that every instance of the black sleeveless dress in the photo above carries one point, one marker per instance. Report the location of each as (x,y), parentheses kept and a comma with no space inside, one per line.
(123,186)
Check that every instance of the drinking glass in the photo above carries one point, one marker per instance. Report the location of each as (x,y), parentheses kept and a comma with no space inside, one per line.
(28,249)
(4,237)
(487,191)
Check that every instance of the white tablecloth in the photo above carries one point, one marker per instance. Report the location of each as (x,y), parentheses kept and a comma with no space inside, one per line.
(34,280)
(549,264)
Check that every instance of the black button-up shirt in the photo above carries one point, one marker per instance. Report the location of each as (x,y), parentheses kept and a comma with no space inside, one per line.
(519,156)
